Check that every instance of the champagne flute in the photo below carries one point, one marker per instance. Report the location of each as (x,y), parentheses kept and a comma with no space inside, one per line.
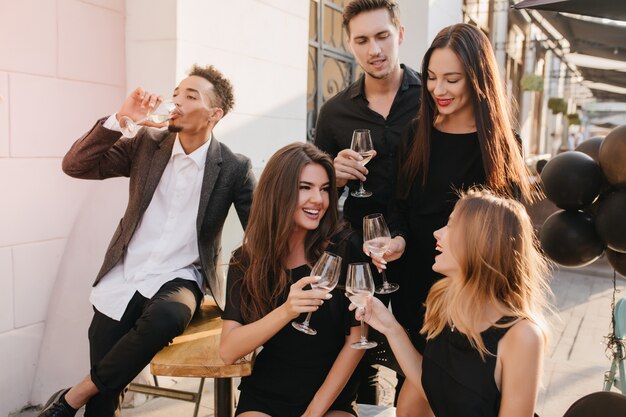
(362,143)
(160,114)
(377,240)
(327,267)
(359,288)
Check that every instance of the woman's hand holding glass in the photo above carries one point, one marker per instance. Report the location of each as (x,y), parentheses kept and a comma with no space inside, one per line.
(360,288)
(325,274)
(377,315)
(301,301)
(376,241)
(397,245)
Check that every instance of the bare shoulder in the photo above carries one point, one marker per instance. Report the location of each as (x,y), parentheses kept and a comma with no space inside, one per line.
(523,337)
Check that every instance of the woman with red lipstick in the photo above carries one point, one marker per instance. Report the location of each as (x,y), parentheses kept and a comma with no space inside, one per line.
(462,136)
(293,220)
(485,325)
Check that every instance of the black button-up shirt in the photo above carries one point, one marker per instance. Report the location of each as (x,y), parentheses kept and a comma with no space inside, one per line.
(347,111)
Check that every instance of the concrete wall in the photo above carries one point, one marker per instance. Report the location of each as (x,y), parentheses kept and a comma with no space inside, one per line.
(268,70)
(61,66)
(422,20)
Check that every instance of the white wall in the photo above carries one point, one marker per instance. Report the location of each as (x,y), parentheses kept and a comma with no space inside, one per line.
(246,40)
(422,20)
(61,66)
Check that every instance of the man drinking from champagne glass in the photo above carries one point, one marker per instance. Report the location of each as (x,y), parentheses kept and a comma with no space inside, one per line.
(165,251)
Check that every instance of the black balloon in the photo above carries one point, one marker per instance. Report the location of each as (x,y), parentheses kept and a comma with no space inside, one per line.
(612,156)
(591,147)
(540,165)
(617,261)
(611,220)
(572,180)
(570,239)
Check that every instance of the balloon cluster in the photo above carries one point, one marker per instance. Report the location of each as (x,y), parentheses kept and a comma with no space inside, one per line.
(589,185)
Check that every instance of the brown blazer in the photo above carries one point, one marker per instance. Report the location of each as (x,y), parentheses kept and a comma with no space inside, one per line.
(228,179)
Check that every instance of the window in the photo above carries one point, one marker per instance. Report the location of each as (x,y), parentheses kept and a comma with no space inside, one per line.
(331,66)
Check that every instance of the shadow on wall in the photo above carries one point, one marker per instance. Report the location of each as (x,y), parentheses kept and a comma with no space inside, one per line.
(64,351)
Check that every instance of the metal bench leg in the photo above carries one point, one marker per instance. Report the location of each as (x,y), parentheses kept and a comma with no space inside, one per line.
(198,398)
(224,400)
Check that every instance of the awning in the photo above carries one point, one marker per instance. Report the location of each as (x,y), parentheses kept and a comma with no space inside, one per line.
(591,38)
(616,78)
(608,9)
(597,49)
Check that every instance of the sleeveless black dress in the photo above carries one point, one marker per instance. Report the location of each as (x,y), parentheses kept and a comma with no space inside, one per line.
(292,366)
(455,164)
(456,380)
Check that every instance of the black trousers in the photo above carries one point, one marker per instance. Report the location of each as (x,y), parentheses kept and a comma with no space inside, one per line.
(119,350)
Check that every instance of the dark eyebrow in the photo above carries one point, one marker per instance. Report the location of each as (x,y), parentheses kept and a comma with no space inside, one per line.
(188,89)
(310,183)
(448,73)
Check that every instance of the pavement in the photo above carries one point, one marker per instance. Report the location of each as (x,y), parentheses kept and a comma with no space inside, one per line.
(575,362)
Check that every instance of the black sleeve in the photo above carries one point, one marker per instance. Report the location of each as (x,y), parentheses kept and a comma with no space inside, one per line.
(244,192)
(232,310)
(398,209)
(324,138)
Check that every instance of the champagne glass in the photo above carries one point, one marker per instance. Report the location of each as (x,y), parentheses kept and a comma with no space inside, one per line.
(359,288)
(327,267)
(160,114)
(362,143)
(377,239)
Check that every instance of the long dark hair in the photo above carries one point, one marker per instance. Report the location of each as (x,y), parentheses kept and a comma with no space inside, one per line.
(501,154)
(266,239)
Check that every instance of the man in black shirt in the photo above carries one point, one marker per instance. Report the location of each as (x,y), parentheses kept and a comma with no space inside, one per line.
(384,100)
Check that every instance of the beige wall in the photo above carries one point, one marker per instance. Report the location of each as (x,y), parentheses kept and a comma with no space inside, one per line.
(61,66)
(268,70)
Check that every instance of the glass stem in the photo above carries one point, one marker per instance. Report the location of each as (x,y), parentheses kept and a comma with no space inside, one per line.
(306,320)
(385,282)
(361,188)
(363,337)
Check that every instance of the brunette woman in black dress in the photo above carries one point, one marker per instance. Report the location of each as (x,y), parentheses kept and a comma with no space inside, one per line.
(293,220)
(461,137)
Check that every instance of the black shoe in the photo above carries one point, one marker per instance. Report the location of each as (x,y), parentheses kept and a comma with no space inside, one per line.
(57,407)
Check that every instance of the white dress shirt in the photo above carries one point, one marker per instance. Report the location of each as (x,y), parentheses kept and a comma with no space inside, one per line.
(165,243)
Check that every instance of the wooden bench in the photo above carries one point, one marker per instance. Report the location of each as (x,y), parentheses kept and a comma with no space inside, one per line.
(195,353)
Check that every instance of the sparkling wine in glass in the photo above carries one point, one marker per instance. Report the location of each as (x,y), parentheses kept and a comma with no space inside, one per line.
(328,268)
(359,288)
(377,239)
(362,143)
(160,114)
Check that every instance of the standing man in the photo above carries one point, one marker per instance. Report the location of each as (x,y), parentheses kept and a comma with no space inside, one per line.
(165,251)
(384,100)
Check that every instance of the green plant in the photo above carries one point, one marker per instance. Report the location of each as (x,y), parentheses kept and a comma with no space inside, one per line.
(532,82)
(557,105)
(573,119)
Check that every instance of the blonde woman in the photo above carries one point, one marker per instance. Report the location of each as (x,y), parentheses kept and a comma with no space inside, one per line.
(484,325)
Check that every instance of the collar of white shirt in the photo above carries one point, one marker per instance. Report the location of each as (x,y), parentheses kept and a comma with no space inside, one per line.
(198,156)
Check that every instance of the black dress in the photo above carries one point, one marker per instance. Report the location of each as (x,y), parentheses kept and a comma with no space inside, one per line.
(455,164)
(456,380)
(292,366)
